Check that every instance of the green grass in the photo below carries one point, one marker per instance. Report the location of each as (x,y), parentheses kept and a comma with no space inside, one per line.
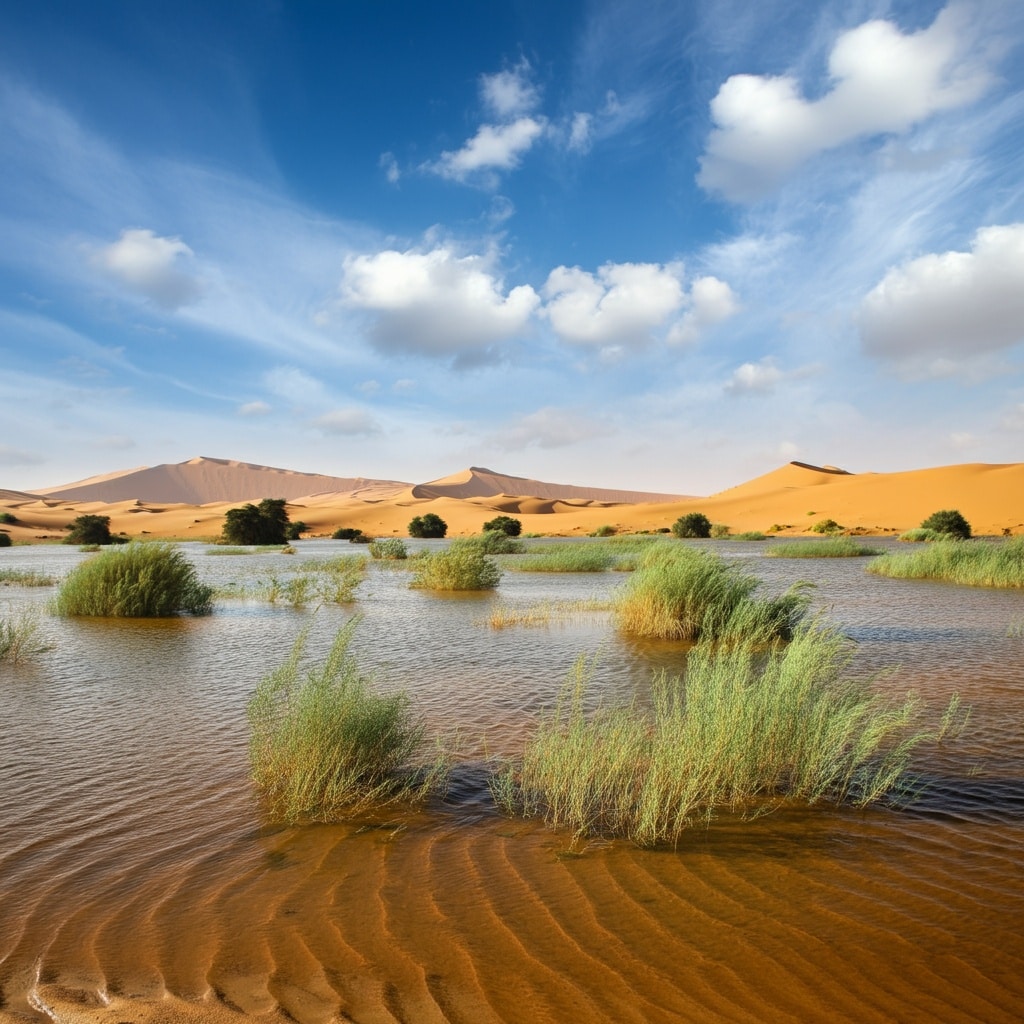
(19,635)
(491,542)
(25,578)
(972,563)
(920,535)
(389,548)
(750,535)
(686,593)
(742,731)
(324,745)
(544,613)
(327,581)
(565,558)
(229,549)
(138,581)
(462,567)
(834,547)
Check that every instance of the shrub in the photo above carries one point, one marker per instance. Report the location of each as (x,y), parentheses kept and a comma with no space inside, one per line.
(323,745)
(827,526)
(390,548)
(429,525)
(975,564)
(693,524)
(604,531)
(265,523)
(459,568)
(689,594)
(346,533)
(719,531)
(9,518)
(751,535)
(91,529)
(492,542)
(919,536)
(5,539)
(948,522)
(293,531)
(139,581)
(505,524)
(741,731)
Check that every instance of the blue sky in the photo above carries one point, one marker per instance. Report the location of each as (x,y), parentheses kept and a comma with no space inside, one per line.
(659,245)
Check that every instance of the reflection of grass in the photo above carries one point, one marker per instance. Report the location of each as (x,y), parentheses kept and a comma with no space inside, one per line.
(19,635)
(323,744)
(543,614)
(743,729)
(969,562)
(685,593)
(25,578)
(834,547)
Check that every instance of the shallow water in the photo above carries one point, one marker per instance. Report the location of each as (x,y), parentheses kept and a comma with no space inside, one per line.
(135,861)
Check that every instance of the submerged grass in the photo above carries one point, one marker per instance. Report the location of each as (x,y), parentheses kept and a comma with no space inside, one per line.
(462,567)
(324,745)
(25,578)
(19,635)
(974,563)
(833,547)
(543,614)
(565,558)
(743,730)
(140,580)
(329,581)
(686,593)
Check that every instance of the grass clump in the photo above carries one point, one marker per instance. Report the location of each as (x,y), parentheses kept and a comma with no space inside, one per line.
(462,567)
(919,535)
(138,581)
(826,526)
(566,558)
(502,615)
(971,563)
(19,635)
(324,745)
(743,731)
(388,549)
(25,578)
(833,547)
(750,535)
(689,594)
(492,542)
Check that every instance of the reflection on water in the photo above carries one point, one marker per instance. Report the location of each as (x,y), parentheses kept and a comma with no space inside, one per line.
(135,864)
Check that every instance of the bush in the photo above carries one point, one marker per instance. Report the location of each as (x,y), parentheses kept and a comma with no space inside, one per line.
(693,524)
(827,526)
(389,548)
(346,533)
(948,522)
(139,581)
(719,531)
(323,745)
(91,530)
(5,539)
(505,524)
(9,518)
(265,523)
(919,536)
(492,542)
(460,568)
(604,531)
(429,525)
(293,531)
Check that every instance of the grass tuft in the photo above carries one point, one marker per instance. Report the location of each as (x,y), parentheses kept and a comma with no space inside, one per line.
(462,567)
(19,635)
(25,578)
(972,563)
(389,549)
(566,558)
(834,547)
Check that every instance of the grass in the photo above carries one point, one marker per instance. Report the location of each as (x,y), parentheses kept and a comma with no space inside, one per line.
(229,549)
(543,614)
(972,563)
(332,581)
(920,535)
(743,731)
(19,635)
(686,593)
(388,548)
(491,542)
(566,558)
(750,535)
(324,745)
(25,578)
(833,547)
(462,567)
(137,581)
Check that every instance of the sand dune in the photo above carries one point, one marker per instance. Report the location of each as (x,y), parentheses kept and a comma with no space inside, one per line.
(793,497)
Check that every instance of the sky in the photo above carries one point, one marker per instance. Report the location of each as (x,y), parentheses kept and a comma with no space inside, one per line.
(665,246)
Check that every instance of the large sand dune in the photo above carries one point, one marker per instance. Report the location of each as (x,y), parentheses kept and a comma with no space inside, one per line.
(793,497)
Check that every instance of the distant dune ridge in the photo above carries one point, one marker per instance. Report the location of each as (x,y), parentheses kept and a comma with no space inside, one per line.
(189,499)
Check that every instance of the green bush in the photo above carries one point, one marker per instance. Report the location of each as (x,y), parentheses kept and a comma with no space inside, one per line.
(460,568)
(429,525)
(9,518)
(504,524)
(91,529)
(492,542)
(5,539)
(693,524)
(346,533)
(919,536)
(389,548)
(827,526)
(604,531)
(293,531)
(719,531)
(265,523)
(138,581)
(323,745)
(948,522)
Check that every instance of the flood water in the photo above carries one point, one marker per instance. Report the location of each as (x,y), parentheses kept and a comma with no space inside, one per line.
(136,866)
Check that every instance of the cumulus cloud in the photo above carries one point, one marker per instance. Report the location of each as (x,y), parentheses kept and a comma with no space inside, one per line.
(943,307)
(882,81)
(494,148)
(152,266)
(754,378)
(628,304)
(509,93)
(435,303)
(349,422)
(548,428)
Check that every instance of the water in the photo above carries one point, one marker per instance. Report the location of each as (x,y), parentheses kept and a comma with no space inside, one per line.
(138,876)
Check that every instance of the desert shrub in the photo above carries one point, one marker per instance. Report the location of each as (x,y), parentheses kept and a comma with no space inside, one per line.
(827,526)
(91,529)
(832,547)
(5,539)
(429,525)
(138,581)
(693,524)
(919,536)
(971,563)
(492,542)
(265,523)
(8,518)
(504,524)
(389,548)
(742,731)
(346,533)
(324,745)
(19,635)
(948,522)
(689,594)
(293,531)
(604,531)
(459,568)
(719,531)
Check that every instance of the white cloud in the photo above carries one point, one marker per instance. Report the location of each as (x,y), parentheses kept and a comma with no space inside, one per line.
(389,165)
(883,81)
(494,147)
(510,93)
(711,302)
(295,385)
(435,303)
(755,378)
(349,422)
(580,132)
(151,266)
(254,409)
(943,307)
(548,428)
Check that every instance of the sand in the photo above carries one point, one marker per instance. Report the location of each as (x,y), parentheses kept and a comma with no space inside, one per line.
(793,498)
